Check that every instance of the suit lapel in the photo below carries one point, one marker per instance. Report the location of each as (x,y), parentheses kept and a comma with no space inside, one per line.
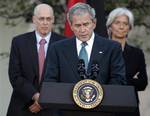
(97,52)
(127,48)
(72,56)
(127,52)
(52,40)
(33,52)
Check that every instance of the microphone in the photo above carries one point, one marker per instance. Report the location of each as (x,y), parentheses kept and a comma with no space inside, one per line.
(94,70)
(81,69)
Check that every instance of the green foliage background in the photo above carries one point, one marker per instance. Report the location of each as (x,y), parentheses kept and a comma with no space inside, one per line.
(16,9)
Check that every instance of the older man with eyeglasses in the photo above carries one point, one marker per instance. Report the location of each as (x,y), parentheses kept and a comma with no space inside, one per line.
(27,62)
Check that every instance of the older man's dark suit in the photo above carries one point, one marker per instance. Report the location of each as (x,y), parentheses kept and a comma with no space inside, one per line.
(23,72)
(63,60)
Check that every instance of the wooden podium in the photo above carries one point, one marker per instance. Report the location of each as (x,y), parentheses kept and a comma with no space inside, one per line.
(116,99)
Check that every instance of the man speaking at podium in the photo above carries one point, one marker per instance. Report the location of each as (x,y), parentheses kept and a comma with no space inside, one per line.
(62,65)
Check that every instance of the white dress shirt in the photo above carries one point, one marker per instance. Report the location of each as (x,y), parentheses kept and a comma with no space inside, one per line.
(88,47)
(38,39)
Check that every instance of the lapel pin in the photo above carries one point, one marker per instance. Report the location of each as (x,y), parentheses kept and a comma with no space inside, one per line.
(100,52)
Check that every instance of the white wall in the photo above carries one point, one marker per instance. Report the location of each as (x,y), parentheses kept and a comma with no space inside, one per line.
(5,88)
(145,95)
(6,34)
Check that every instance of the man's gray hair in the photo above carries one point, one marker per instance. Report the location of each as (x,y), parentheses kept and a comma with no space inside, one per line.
(80,9)
(36,9)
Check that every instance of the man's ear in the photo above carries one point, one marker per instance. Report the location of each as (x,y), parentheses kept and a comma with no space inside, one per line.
(53,19)
(33,19)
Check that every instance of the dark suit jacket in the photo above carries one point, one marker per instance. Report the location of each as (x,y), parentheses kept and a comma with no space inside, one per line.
(135,62)
(23,72)
(63,60)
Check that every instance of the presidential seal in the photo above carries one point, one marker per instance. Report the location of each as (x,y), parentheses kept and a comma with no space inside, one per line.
(87,94)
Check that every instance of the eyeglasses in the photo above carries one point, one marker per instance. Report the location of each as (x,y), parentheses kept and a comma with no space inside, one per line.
(42,19)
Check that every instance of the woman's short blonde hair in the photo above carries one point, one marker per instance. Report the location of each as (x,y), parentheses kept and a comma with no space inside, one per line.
(119,12)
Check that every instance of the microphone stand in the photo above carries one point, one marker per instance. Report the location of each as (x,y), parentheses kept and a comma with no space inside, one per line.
(94,71)
(81,69)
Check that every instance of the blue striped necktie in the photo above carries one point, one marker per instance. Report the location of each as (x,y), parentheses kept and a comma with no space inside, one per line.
(83,54)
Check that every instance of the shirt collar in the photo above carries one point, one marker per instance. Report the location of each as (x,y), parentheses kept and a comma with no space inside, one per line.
(89,42)
(38,37)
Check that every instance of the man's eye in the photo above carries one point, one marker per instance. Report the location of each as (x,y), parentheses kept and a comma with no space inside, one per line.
(48,19)
(41,19)
(86,24)
(77,25)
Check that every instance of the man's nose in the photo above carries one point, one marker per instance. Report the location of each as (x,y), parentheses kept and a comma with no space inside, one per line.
(82,29)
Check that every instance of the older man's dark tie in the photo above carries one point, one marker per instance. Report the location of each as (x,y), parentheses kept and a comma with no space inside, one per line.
(41,55)
(83,54)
